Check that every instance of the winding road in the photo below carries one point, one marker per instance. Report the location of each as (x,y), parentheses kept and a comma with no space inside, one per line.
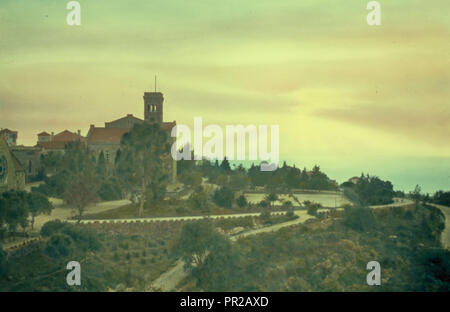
(170,279)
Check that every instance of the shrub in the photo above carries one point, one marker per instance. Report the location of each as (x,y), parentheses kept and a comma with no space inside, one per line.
(59,246)
(198,200)
(223,197)
(290,213)
(265,218)
(181,210)
(241,201)
(86,239)
(312,207)
(110,190)
(359,218)
(52,227)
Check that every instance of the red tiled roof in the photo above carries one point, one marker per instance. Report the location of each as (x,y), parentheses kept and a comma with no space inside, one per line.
(106,135)
(169,125)
(66,136)
(114,135)
(43,134)
(129,116)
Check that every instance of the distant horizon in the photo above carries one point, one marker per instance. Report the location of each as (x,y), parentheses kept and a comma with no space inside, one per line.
(431,178)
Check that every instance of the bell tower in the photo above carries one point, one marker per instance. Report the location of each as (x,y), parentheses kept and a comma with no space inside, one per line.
(153,106)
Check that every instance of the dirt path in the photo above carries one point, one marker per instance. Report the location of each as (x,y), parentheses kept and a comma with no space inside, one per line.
(398,202)
(170,279)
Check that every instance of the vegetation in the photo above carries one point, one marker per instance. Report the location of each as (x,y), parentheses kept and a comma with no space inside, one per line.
(195,242)
(332,255)
(369,190)
(441,198)
(115,257)
(17,206)
(325,254)
(312,207)
(144,156)
(223,197)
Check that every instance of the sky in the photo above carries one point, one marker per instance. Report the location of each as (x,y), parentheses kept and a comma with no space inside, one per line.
(347,96)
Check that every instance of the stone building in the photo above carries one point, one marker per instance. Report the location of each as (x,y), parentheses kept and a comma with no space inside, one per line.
(10,136)
(29,157)
(44,137)
(107,139)
(126,122)
(12,174)
(57,143)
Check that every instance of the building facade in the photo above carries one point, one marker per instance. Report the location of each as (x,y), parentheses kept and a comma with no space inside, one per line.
(12,174)
(57,143)
(107,139)
(10,136)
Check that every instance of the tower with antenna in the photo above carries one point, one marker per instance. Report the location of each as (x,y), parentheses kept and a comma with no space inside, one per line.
(153,106)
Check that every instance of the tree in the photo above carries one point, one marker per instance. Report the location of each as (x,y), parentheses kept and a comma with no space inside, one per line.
(59,246)
(117,157)
(223,197)
(198,200)
(225,165)
(142,165)
(37,204)
(14,210)
(416,194)
(359,218)
(101,164)
(195,241)
(288,206)
(186,165)
(222,268)
(239,180)
(271,198)
(441,198)
(312,207)
(241,201)
(191,179)
(80,193)
(371,190)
